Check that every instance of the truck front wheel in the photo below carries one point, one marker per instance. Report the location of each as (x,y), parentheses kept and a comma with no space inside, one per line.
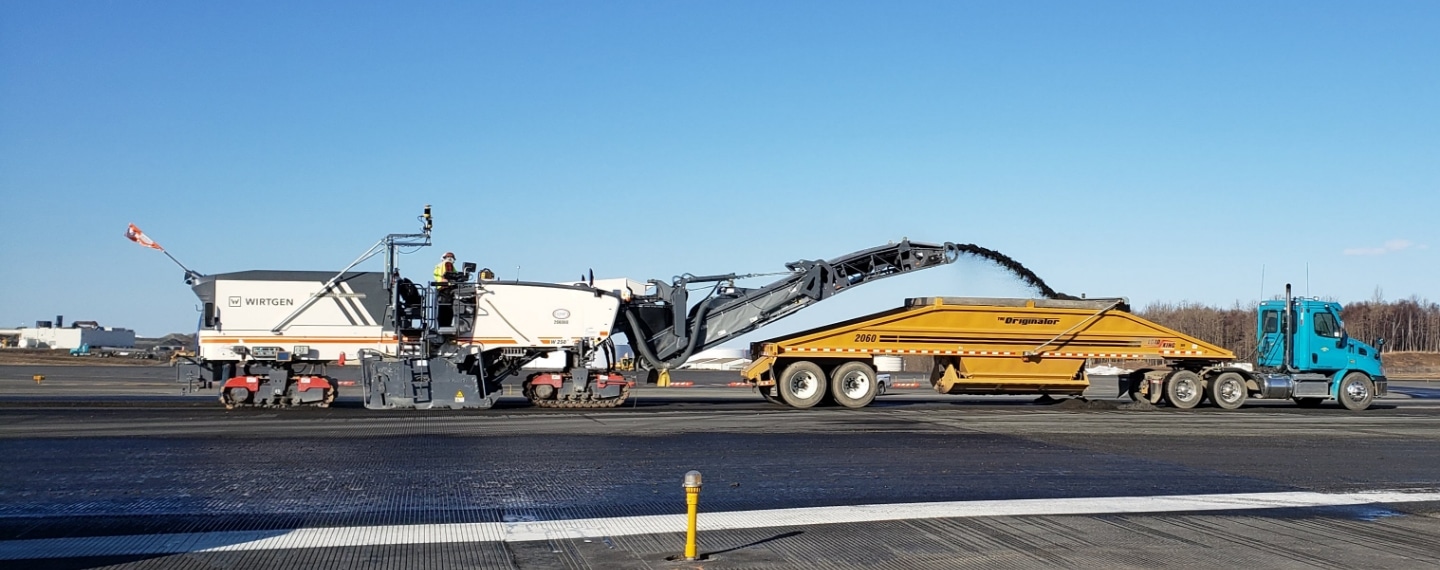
(1357,391)
(1184,389)
(802,385)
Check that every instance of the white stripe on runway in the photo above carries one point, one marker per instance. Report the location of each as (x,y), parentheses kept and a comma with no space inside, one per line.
(153,544)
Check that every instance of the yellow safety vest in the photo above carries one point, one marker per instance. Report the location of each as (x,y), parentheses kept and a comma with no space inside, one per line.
(442,268)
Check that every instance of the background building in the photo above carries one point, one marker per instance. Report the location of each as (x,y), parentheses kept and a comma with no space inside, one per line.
(52,335)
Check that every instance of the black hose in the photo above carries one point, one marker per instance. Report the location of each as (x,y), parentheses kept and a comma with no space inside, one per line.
(639,343)
(697,320)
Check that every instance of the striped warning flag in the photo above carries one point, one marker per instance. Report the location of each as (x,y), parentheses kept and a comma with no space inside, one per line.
(134,234)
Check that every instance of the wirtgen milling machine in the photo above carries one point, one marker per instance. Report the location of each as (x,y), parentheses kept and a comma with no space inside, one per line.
(267,336)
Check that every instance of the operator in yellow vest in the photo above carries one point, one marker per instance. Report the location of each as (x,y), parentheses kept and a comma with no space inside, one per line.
(444,290)
(446,265)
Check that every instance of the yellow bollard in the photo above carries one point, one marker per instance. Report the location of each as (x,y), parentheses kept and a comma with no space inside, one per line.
(692,506)
(38,378)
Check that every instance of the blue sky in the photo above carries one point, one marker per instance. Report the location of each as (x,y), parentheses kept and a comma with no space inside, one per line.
(1162,151)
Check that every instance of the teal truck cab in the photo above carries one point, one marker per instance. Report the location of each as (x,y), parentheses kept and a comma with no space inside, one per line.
(1305,352)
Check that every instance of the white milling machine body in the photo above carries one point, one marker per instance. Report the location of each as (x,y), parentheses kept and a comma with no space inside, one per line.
(258,363)
(458,340)
(450,344)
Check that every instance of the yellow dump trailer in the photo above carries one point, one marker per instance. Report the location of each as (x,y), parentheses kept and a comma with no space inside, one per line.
(983,346)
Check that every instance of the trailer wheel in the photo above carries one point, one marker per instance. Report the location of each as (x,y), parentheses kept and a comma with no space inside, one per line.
(1228,390)
(802,385)
(854,385)
(1184,389)
(1357,391)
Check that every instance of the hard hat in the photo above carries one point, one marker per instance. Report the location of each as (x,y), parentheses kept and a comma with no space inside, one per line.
(449,255)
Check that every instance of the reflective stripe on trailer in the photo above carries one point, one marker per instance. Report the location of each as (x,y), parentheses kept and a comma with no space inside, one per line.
(968,352)
(872,351)
(903,351)
(1094,354)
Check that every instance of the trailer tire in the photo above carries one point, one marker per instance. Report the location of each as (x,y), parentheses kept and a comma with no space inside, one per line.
(1184,389)
(1228,390)
(802,384)
(1356,391)
(854,385)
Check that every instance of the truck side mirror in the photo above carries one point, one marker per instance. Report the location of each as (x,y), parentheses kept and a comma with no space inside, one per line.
(209,315)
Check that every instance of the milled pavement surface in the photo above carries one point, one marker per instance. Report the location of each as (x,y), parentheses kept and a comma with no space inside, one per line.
(122,470)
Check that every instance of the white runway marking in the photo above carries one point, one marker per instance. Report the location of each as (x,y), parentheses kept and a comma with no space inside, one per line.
(156,544)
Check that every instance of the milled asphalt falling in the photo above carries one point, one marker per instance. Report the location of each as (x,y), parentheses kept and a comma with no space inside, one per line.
(144,459)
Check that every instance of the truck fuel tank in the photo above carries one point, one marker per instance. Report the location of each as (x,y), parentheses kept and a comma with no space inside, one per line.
(1276,386)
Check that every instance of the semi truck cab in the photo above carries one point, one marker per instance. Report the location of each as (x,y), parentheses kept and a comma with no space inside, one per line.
(1306,338)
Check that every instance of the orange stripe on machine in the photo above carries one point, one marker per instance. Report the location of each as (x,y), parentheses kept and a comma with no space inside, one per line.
(488,340)
(291,340)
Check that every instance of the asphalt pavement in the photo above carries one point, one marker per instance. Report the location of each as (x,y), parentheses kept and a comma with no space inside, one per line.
(131,470)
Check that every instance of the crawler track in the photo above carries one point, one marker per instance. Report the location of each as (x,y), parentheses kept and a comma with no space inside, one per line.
(589,403)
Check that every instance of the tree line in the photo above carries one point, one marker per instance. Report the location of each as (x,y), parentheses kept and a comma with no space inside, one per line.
(1406,325)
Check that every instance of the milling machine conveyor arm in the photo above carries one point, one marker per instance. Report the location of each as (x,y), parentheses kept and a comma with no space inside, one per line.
(666,331)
